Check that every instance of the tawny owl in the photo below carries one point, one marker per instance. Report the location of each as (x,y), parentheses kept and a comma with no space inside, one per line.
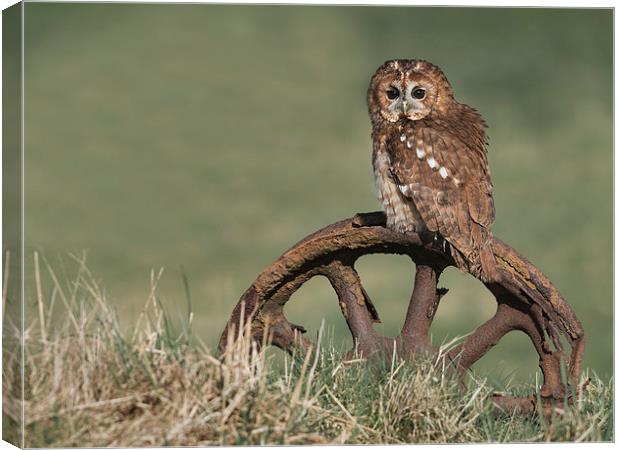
(430,162)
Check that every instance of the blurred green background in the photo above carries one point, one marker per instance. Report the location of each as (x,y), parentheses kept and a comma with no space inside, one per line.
(208,139)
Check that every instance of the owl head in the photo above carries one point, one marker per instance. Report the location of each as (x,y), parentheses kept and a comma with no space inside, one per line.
(408,89)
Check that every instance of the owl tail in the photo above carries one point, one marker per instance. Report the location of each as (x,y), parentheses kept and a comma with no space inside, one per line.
(489,272)
(480,264)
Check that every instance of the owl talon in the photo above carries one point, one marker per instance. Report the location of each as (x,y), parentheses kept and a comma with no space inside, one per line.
(426,237)
(440,242)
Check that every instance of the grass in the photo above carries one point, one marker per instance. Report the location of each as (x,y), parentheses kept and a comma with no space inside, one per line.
(88,383)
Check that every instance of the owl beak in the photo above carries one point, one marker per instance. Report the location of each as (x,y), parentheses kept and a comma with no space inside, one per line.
(404,106)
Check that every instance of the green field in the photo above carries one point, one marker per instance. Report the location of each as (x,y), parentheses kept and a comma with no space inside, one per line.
(208,139)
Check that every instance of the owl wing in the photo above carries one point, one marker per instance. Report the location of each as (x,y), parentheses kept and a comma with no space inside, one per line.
(449,184)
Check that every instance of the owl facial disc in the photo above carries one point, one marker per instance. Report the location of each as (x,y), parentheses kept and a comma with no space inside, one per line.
(407,90)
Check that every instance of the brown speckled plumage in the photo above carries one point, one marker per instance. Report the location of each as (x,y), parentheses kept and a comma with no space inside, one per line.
(430,162)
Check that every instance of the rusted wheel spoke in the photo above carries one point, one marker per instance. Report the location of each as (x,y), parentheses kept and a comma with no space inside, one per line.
(423,305)
(355,305)
(485,337)
(527,301)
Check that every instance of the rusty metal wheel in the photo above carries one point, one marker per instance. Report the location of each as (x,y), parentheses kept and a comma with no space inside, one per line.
(526,301)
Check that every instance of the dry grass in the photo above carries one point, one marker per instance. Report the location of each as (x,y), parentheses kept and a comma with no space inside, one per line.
(87,383)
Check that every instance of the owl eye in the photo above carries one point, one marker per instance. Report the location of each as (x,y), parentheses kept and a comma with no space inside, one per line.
(392,93)
(418,93)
